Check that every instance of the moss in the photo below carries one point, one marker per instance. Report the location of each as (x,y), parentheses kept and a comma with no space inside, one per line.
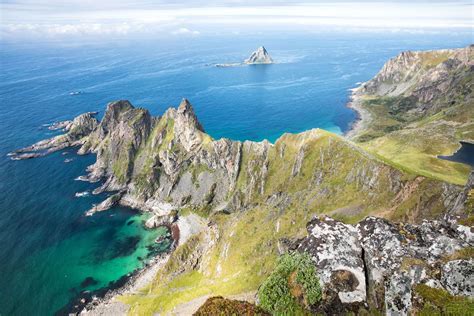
(438,301)
(434,58)
(196,170)
(409,262)
(468,221)
(464,253)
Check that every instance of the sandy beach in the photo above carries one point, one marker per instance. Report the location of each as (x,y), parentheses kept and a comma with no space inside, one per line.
(363,116)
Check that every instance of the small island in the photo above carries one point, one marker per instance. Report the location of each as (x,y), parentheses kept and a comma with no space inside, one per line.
(260,56)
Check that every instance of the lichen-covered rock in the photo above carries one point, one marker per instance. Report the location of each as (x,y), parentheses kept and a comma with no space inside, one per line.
(458,277)
(398,294)
(335,249)
(377,263)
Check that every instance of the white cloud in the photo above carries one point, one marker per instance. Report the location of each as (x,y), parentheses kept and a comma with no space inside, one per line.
(121,18)
(184,31)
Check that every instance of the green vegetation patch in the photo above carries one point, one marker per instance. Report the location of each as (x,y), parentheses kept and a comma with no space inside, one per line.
(292,286)
(440,302)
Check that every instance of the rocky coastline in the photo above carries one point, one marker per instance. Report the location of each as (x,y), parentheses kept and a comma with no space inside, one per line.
(408,230)
(104,300)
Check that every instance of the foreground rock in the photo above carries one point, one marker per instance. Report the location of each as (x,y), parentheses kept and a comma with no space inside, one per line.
(217,306)
(260,56)
(377,264)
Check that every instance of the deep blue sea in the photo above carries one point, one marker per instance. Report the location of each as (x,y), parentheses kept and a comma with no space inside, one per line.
(48,247)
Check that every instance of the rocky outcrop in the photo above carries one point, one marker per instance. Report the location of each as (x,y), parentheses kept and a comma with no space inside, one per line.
(76,132)
(108,203)
(336,251)
(377,264)
(260,56)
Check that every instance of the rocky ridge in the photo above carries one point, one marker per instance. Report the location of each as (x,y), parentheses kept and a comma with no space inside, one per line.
(168,164)
(160,164)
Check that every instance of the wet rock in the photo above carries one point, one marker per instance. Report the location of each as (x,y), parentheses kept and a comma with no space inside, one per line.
(105,205)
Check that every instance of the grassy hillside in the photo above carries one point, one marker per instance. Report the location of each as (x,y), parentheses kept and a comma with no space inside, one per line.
(422,115)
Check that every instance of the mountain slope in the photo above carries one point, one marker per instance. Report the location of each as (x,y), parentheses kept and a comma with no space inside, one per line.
(420,105)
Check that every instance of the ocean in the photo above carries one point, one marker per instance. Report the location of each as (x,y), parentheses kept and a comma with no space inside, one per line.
(50,252)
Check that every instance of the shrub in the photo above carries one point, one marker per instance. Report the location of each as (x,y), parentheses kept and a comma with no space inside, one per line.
(292,286)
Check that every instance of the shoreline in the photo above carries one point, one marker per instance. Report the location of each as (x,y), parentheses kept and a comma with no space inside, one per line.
(363,116)
(104,301)
(135,281)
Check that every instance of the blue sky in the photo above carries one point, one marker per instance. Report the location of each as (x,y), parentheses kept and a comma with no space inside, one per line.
(53,18)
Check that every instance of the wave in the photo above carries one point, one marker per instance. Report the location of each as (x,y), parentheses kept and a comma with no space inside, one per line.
(82,194)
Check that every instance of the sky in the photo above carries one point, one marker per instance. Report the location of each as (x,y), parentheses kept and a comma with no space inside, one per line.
(60,18)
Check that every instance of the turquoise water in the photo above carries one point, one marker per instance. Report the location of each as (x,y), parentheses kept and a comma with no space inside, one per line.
(48,246)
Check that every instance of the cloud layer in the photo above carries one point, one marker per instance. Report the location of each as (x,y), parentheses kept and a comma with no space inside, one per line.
(52,18)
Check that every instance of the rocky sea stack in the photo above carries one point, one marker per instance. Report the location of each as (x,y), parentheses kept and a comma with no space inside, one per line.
(260,56)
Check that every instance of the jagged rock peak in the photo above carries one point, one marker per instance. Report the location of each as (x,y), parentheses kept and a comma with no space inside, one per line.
(186,115)
(119,106)
(185,106)
(260,56)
